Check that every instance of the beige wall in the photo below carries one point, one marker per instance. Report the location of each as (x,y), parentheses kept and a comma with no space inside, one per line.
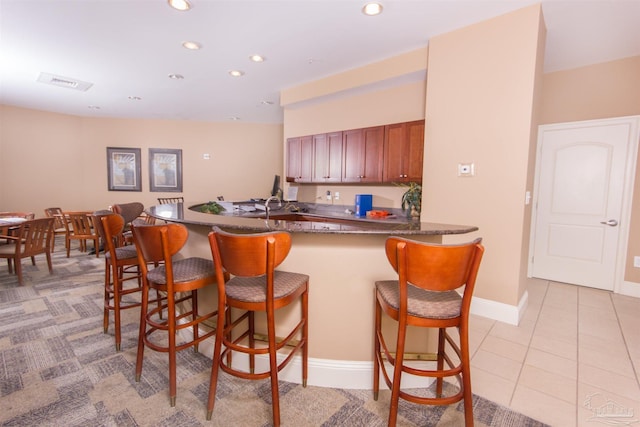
(60,160)
(480,99)
(611,89)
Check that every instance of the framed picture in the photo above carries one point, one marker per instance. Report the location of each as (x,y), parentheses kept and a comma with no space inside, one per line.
(123,169)
(165,170)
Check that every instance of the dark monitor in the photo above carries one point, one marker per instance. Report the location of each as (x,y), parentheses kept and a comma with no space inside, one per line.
(276,190)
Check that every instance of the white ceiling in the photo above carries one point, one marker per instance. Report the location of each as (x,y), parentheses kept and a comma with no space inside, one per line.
(127,48)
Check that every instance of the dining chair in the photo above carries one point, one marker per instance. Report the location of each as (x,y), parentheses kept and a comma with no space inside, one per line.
(256,286)
(167,200)
(79,226)
(31,238)
(424,295)
(180,280)
(58,224)
(121,266)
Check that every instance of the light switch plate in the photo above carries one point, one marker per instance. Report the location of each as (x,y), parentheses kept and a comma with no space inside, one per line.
(636,261)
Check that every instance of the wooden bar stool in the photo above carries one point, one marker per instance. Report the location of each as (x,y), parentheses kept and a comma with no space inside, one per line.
(121,266)
(256,285)
(180,280)
(424,295)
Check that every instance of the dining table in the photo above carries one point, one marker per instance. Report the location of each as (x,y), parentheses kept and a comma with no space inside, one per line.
(9,223)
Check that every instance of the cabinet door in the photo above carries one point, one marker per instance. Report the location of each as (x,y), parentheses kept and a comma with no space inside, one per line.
(373,154)
(327,149)
(404,147)
(415,151)
(293,159)
(306,159)
(362,155)
(352,155)
(299,159)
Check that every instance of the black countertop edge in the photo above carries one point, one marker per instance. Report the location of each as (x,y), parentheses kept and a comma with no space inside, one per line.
(344,223)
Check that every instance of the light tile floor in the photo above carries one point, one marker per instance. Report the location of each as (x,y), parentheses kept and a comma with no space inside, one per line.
(573,360)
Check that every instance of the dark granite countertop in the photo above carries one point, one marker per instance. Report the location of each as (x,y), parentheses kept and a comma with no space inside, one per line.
(310,218)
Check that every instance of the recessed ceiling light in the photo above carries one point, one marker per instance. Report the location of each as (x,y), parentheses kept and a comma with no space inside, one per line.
(192,45)
(266,102)
(176,76)
(135,98)
(236,73)
(257,58)
(182,5)
(372,9)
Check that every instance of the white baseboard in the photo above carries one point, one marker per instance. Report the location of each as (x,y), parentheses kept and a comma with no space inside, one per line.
(359,374)
(323,372)
(499,311)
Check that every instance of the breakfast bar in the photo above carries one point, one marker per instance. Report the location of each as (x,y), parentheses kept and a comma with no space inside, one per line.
(343,255)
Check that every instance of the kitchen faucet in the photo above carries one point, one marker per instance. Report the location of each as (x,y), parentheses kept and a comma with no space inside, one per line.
(266,204)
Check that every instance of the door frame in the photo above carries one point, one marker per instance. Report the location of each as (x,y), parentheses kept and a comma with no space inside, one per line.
(619,286)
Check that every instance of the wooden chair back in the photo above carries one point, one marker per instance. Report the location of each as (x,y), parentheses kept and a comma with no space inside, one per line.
(167,200)
(79,224)
(158,243)
(249,255)
(57,215)
(110,236)
(435,267)
(129,211)
(35,237)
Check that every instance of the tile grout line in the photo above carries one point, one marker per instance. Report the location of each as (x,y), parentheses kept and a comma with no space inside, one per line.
(624,339)
(577,351)
(546,290)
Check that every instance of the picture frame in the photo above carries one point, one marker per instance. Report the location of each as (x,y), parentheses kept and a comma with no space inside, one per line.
(165,170)
(123,169)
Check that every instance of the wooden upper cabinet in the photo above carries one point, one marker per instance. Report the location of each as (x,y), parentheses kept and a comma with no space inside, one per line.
(362,158)
(375,155)
(403,152)
(300,159)
(327,150)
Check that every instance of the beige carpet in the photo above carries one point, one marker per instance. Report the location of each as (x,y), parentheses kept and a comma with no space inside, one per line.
(58,368)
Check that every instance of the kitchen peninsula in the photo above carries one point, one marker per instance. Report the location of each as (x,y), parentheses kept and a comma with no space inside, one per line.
(343,256)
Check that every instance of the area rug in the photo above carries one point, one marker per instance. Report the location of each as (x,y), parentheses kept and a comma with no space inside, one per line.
(58,368)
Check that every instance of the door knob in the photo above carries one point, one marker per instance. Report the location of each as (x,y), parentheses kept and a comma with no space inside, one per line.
(610,223)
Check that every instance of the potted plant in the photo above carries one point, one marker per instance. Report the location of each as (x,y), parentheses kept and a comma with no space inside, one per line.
(412,200)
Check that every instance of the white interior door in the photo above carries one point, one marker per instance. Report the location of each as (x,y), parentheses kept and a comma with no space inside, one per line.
(580,194)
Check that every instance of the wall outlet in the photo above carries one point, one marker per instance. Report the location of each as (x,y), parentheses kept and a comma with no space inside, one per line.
(466,169)
(336,195)
(328,195)
(636,261)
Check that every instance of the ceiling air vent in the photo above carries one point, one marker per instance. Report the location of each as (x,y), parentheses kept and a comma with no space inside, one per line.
(61,81)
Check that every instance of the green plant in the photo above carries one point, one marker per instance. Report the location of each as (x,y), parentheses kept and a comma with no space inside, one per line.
(212,207)
(412,199)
